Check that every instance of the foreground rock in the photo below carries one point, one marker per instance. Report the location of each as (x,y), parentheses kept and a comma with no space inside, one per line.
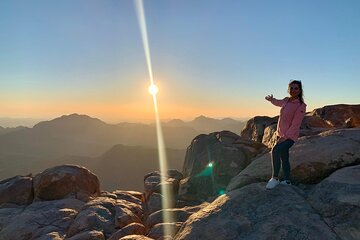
(255,213)
(255,127)
(312,158)
(98,214)
(9,214)
(212,160)
(89,235)
(340,115)
(154,184)
(131,229)
(135,237)
(17,190)
(66,181)
(158,231)
(178,214)
(42,218)
(337,199)
(67,205)
(262,129)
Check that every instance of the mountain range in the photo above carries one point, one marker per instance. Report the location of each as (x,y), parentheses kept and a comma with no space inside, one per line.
(81,139)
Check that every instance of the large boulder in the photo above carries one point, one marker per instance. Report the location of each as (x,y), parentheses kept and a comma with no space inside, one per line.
(66,181)
(130,196)
(9,214)
(269,137)
(156,201)
(100,217)
(178,214)
(128,210)
(97,214)
(212,160)
(153,182)
(164,230)
(124,216)
(42,218)
(58,236)
(161,190)
(337,199)
(314,122)
(16,190)
(89,235)
(312,158)
(255,127)
(131,229)
(340,115)
(253,212)
(262,129)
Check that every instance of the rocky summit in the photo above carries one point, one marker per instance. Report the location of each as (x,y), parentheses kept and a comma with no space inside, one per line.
(219,194)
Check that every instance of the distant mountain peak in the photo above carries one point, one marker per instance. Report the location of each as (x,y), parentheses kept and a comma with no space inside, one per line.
(75,116)
(202,117)
(176,120)
(69,119)
(227,118)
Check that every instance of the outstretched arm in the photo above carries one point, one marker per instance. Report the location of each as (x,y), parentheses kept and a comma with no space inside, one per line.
(276,102)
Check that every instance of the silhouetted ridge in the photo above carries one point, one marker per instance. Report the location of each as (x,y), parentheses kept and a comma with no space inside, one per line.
(73,120)
(202,118)
(10,129)
(176,121)
(229,122)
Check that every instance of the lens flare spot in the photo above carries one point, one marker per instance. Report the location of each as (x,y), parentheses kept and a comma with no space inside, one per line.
(221,192)
(210,164)
(153,89)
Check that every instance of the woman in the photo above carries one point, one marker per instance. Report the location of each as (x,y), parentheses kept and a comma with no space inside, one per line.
(292,113)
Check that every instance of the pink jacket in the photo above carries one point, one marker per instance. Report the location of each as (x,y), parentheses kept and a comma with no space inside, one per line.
(291,116)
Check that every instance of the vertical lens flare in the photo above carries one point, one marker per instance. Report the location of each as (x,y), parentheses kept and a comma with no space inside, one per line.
(141,18)
(167,196)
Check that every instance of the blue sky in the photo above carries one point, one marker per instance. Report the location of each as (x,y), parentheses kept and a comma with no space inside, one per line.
(215,58)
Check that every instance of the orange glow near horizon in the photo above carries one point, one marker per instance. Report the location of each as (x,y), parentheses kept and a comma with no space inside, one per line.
(134,106)
(133,111)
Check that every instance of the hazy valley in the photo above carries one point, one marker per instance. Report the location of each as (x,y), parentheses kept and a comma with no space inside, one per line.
(111,151)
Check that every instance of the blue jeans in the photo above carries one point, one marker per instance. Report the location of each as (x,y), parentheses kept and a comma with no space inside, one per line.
(280,156)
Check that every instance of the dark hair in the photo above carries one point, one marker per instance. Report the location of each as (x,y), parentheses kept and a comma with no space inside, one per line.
(301,94)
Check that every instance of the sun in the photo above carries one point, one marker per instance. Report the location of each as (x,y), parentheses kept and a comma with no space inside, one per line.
(153,89)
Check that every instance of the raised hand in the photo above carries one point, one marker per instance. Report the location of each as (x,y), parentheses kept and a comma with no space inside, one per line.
(269,97)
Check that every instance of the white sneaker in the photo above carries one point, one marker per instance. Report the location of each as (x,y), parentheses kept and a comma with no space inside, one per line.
(285,182)
(273,182)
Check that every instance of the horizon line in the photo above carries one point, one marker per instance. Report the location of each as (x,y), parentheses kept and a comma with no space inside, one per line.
(36,120)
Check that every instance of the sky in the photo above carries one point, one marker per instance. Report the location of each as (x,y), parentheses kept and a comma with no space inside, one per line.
(213,58)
